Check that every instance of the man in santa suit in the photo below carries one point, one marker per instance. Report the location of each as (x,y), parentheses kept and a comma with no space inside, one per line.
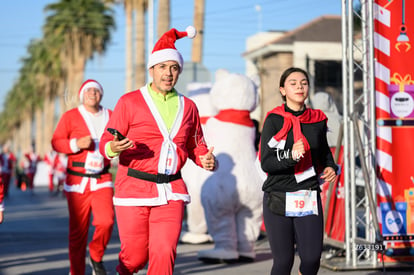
(162,129)
(29,166)
(49,159)
(7,161)
(89,187)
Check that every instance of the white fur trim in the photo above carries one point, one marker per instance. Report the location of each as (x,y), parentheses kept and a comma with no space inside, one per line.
(94,185)
(165,55)
(310,172)
(73,146)
(273,143)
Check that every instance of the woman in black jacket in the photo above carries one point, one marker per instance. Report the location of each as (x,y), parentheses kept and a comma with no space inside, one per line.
(295,155)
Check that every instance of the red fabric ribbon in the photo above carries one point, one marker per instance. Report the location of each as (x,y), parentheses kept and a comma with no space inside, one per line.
(241,117)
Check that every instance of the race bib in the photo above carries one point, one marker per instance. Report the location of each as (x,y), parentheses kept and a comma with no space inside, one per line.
(301,203)
(94,163)
(171,161)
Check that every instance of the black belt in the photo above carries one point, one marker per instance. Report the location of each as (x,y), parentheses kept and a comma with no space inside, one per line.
(80,174)
(158,178)
(78,164)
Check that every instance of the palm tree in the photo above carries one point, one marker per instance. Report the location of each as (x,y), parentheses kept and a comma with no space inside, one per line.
(47,72)
(20,108)
(38,70)
(80,28)
(33,73)
(10,118)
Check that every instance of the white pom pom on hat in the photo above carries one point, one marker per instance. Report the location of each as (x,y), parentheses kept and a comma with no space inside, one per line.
(90,83)
(191,32)
(164,49)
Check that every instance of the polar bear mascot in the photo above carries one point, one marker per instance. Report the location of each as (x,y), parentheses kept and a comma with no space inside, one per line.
(196,230)
(232,195)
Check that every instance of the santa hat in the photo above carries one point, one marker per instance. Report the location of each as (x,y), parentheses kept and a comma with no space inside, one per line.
(164,49)
(90,83)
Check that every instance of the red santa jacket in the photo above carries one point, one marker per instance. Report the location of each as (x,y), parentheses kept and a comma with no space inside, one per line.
(137,117)
(74,124)
(49,160)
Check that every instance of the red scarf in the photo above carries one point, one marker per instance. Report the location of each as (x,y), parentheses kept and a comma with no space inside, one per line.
(304,168)
(241,117)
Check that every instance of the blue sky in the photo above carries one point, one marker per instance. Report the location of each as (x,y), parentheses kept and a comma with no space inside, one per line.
(228,23)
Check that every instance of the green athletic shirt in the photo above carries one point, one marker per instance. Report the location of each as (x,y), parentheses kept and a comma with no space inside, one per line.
(167,106)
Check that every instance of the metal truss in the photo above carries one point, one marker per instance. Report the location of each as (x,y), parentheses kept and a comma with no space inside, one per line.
(362,235)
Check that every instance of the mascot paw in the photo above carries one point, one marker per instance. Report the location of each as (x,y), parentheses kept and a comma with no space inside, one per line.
(218,255)
(195,238)
(247,257)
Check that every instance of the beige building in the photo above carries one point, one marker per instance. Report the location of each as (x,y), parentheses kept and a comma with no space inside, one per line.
(315,47)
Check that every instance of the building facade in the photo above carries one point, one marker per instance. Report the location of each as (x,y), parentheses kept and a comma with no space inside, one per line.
(315,46)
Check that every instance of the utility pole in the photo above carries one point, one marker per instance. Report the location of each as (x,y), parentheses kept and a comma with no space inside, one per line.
(164,17)
(197,51)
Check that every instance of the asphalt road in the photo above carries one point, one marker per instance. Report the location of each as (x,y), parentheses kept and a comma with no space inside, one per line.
(33,240)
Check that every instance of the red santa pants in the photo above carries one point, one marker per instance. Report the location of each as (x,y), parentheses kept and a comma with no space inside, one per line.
(51,187)
(30,180)
(1,191)
(149,233)
(81,206)
(5,178)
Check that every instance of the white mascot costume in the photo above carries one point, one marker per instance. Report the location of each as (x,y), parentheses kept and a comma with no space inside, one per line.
(232,195)
(193,175)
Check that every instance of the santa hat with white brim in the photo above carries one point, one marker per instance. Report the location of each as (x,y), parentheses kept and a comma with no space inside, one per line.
(164,49)
(90,83)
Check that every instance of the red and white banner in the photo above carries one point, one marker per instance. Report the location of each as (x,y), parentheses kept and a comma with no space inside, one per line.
(335,208)
(394,82)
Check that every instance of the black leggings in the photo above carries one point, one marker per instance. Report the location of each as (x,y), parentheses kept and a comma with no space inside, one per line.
(283,232)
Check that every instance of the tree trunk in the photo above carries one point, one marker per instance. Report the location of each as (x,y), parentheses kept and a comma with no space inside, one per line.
(70,96)
(140,69)
(39,129)
(15,141)
(49,122)
(26,134)
(61,88)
